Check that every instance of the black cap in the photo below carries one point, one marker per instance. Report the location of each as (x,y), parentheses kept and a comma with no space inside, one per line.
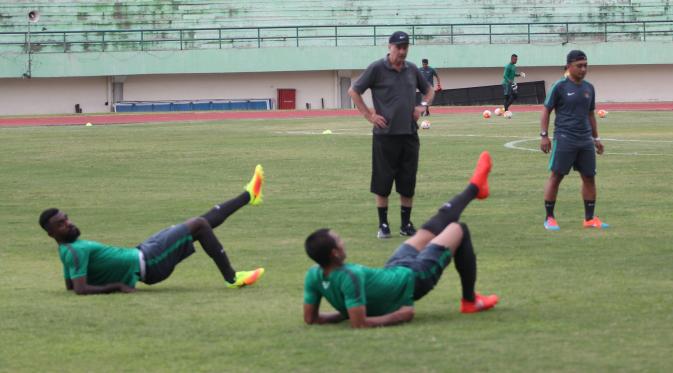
(575,55)
(399,37)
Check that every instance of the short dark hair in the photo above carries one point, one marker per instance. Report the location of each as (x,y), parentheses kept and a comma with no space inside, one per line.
(575,55)
(514,55)
(425,60)
(46,215)
(319,245)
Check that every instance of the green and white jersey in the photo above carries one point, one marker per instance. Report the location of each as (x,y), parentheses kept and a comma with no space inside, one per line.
(101,264)
(381,290)
(509,74)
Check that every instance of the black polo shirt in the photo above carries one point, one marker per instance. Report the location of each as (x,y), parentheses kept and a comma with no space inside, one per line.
(394,94)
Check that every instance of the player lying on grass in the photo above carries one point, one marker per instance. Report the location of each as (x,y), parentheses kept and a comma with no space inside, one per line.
(385,296)
(91,267)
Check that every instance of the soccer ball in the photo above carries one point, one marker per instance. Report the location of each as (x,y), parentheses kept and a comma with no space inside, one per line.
(498,111)
(425,124)
(508,114)
(602,113)
(486,114)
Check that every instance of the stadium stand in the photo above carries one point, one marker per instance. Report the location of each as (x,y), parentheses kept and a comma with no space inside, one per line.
(226,50)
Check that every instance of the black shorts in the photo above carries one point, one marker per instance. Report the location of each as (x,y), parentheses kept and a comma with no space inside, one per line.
(567,153)
(510,89)
(164,250)
(394,158)
(427,265)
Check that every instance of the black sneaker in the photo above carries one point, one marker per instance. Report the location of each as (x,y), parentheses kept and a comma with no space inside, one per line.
(384,231)
(408,230)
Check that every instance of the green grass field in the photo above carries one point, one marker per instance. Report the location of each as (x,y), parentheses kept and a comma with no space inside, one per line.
(573,300)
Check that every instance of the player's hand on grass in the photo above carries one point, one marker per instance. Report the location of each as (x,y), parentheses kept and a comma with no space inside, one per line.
(126,289)
(407,312)
(377,120)
(545,144)
(599,147)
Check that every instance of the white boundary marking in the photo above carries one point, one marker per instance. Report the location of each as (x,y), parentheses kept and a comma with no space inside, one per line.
(510,145)
(515,145)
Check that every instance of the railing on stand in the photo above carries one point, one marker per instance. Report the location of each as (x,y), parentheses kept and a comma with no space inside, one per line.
(331,36)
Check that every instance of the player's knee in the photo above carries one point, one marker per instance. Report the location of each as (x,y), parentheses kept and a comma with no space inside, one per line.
(197,225)
(464,231)
(556,177)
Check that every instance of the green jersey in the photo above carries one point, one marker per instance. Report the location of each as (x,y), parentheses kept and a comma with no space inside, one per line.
(509,74)
(101,264)
(381,290)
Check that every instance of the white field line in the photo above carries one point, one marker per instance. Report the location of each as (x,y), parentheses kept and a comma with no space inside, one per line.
(510,145)
(515,145)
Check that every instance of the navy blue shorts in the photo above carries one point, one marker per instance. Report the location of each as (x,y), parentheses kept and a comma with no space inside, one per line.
(427,265)
(164,250)
(567,153)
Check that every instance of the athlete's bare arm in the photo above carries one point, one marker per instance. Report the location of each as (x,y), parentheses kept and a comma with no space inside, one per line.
(81,287)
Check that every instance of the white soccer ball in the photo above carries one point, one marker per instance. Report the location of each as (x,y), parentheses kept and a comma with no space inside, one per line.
(498,111)
(425,124)
(486,114)
(508,114)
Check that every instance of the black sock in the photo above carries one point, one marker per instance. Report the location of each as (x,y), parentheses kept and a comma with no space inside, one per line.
(219,213)
(451,210)
(549,206)
(212,246)
(383,215)
(405,213)
(466,264)
(589,207)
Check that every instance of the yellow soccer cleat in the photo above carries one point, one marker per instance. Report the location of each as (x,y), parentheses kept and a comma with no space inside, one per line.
(254,187)
(247,278)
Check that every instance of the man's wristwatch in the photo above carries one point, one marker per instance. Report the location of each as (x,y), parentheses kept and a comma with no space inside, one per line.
(543,134)
(597,139)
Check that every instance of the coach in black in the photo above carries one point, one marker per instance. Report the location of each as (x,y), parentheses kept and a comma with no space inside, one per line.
(393,82)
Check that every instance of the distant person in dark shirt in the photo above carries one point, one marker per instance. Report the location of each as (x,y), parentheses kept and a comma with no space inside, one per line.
(429,74)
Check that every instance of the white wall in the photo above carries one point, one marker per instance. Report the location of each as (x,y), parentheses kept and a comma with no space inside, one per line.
(52,95)
(635,83)
(310,86)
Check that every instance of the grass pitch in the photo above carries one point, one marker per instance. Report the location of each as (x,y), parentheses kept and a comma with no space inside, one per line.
(573,300)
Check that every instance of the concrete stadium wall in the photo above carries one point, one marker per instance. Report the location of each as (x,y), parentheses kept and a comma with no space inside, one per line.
(613,83)
(59,95)
(314,59)
(645,83)
(312,87)
(53,95)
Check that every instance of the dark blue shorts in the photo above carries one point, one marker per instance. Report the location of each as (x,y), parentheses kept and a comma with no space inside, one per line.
(427,265)
(567,153)
(164,250)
